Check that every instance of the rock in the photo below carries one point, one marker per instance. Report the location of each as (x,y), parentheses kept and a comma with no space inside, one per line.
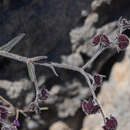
(73,59)
(59,125)
(97,3)
(32,125)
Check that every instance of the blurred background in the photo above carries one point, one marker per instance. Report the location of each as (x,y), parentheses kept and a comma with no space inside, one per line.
(63,30)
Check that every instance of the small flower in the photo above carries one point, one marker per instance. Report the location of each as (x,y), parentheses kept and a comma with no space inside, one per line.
(44,94)
(16,123)
(101,39)
(3,113)
(98,80)
(89,107)
(123,41)
(111,124)
(96,40)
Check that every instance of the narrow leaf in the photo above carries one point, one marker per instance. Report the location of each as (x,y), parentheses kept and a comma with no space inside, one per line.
(31,71)
(38,58)
(8,46)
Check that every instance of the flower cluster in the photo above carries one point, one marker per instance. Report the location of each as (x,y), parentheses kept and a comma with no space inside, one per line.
(89,107)
(3,113)
(120,42)
(101,40)
(44,94)
(4,120)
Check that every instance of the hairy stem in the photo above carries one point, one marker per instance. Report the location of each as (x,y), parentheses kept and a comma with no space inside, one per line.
(13,56)
(93,58)
(82,72)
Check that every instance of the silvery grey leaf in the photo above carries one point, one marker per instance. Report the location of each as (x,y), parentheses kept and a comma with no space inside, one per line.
(8,46)
(37,58)
(13,56)
(31,71)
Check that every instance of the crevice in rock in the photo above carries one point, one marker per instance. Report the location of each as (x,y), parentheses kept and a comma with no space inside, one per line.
(85,57)
(110,12)
(107,67)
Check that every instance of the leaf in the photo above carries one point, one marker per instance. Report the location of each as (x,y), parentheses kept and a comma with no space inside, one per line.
(38,58)
(8,46)
(31,71)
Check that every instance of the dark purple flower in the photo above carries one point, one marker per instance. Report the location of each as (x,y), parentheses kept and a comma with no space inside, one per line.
(3,113)
(111,124)
(89,107)
(123,41)
(96,40)
(101,39)
(44,94)
(16,123)
(98,80)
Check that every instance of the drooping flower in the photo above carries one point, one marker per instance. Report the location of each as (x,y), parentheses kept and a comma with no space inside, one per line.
(3,113)
(111,124)
(89,107)
(98,80)
(43,94)
(16,123)
(101,39)
(123,41)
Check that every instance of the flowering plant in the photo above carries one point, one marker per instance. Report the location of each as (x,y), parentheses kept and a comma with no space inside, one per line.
(91,106)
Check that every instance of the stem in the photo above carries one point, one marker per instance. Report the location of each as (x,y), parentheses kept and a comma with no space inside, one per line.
(17,114)
(13,56)
(7,102)
(94,95)
(93,58)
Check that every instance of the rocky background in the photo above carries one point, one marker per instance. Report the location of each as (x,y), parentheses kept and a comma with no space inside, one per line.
(63,30)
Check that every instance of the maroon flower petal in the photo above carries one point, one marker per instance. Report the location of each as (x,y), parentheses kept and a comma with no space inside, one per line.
(89,107)
(101,39)
(111,124)
(16,123)
(96,40)
(123,41)
(3,113)
(44,94)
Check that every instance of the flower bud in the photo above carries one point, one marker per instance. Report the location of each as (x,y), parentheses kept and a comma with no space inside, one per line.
(3,113)
(111,124)
(89,107)
(123,41)
(101,39)
(16,123)
(43,94)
